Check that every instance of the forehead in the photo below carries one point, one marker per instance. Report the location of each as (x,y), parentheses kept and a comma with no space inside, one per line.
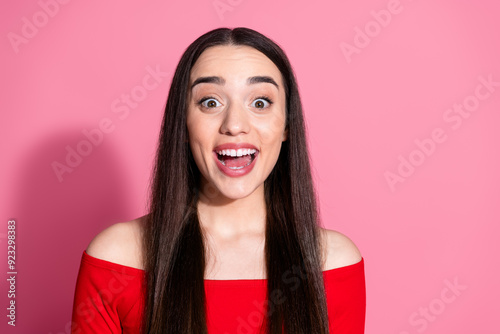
(234,62)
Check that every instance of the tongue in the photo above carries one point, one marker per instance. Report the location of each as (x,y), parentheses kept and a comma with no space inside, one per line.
(236,161)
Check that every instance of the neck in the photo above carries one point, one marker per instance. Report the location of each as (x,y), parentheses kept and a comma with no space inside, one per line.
(230,218)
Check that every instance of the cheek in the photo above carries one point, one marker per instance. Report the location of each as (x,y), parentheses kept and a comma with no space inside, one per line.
(197,130)
(197,148)
(272,129)
(275,121)
(195,137)
(201,126)
(200,140)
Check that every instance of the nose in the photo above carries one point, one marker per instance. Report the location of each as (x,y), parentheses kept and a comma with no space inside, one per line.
(235,121)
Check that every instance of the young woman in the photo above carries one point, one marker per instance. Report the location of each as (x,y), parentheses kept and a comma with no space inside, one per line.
(232,242)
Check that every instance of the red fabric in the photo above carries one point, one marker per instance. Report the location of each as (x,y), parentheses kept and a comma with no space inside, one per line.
(108,300)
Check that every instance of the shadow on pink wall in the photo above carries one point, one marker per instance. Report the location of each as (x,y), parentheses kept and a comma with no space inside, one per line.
(55,222)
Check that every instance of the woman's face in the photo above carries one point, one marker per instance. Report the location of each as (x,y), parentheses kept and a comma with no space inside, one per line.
(235,119)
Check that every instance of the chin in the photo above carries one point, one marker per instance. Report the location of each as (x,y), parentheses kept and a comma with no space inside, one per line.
(230,189)
(236,192)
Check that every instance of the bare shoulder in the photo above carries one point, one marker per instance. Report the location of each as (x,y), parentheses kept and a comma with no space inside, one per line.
(120,243)
(337,250)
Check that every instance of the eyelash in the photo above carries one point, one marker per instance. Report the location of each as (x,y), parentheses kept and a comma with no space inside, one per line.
(263,97)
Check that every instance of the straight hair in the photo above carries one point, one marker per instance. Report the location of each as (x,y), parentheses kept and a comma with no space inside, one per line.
(174,248)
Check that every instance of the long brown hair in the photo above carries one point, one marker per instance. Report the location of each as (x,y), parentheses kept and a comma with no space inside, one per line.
(174,246)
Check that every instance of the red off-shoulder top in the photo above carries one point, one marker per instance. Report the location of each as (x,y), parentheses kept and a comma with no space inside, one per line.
(108,299)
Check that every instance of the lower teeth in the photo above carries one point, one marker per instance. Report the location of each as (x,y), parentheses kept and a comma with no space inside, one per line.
(240,167)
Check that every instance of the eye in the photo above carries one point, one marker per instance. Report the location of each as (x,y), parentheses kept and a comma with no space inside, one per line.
(209,102)
(262,102)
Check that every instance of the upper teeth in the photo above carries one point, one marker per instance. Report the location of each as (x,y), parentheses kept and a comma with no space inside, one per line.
(237,153)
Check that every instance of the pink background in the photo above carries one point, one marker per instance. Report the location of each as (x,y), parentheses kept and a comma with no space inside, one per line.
(365,110)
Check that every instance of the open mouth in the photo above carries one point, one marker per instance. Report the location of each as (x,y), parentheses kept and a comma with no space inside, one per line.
(236,159)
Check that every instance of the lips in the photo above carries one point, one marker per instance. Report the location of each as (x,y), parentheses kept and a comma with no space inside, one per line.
(235,159)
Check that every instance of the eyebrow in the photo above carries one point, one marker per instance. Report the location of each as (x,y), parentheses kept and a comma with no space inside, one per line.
(221,81)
